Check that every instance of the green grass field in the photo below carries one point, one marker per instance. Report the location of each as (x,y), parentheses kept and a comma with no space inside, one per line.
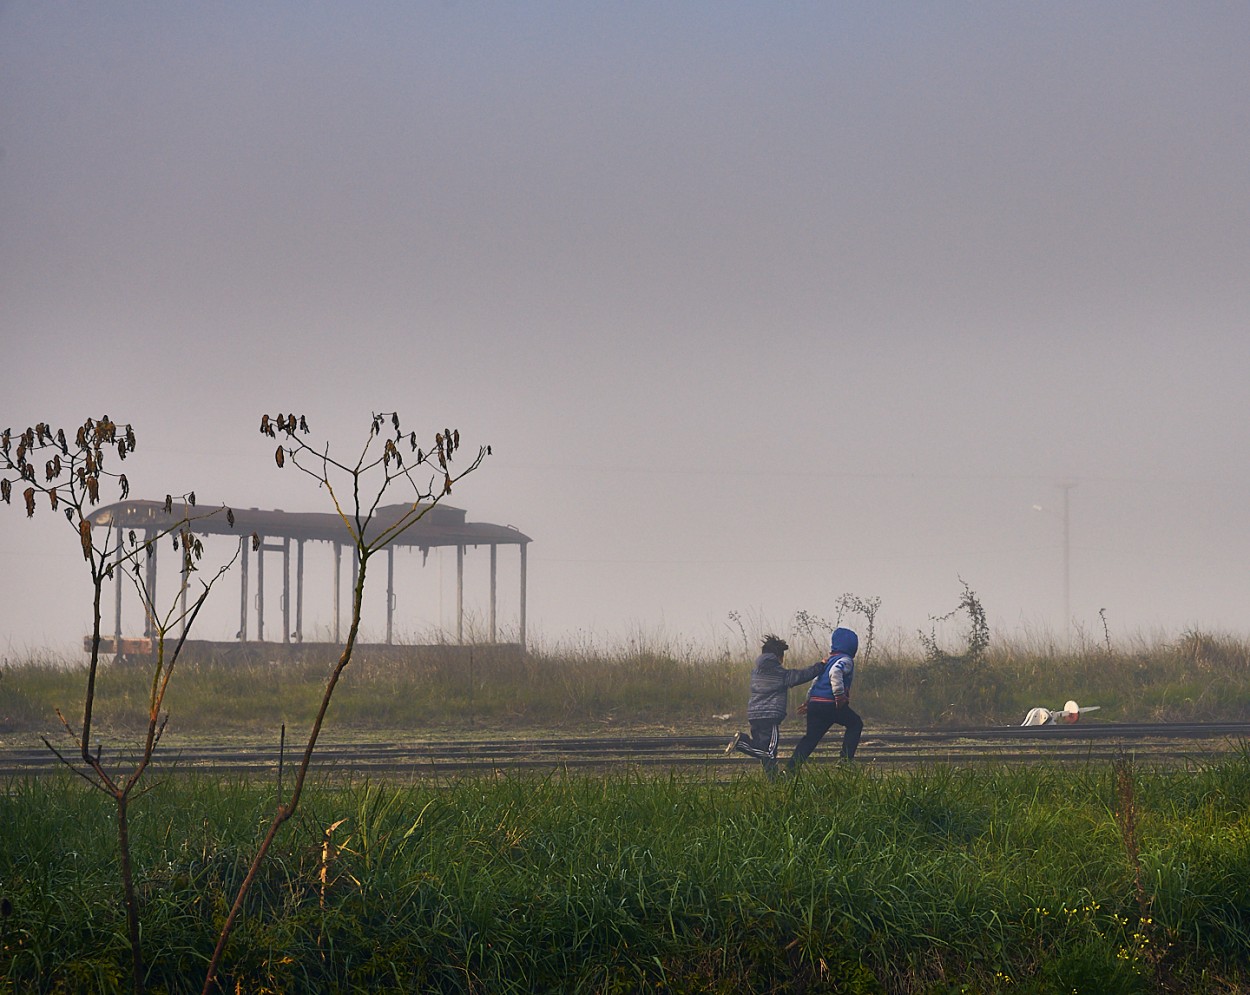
(839,880)
(1093,878)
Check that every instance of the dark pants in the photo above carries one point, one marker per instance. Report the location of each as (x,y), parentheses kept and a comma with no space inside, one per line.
(820,716)
(763,744)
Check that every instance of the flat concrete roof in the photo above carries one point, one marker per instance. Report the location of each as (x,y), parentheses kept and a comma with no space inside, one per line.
(440,525)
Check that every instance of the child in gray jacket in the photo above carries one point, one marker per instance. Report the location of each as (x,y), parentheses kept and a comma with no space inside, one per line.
(767,705)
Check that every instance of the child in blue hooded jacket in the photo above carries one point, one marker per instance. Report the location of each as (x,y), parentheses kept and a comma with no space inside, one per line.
(829,699)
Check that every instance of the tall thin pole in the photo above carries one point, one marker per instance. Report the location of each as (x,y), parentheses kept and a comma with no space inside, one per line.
(1067,486)
(1067,563)
(522,633)
(460,595)
(260,590)
(150,565)
(338,568)
(299,590)
(117,594)
(494,557)
(286,589)
(243,547)
(390,592)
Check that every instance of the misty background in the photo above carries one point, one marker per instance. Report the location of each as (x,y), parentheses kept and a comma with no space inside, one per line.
(756,304)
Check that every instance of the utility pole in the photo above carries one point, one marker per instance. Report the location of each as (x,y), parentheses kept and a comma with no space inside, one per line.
(1066,486)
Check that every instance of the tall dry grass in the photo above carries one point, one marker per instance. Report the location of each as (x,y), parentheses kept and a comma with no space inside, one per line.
(584,685)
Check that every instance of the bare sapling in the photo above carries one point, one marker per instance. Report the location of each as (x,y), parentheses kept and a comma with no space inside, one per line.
(810,624)
(70,481)
(390,459)
(978,633)
(965,677)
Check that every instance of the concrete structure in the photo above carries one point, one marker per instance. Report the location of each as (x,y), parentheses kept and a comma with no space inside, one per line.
(286,533)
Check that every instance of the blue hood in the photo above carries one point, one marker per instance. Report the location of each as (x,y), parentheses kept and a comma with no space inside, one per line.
(844,641)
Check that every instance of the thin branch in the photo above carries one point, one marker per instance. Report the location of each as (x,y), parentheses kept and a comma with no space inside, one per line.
(68,763)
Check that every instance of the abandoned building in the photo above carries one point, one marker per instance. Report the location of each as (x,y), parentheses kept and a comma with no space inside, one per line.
(264,535)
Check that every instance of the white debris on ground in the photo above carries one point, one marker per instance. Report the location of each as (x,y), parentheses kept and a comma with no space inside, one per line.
(1070,713)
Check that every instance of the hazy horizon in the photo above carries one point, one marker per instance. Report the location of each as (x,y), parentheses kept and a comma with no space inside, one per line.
(756,304)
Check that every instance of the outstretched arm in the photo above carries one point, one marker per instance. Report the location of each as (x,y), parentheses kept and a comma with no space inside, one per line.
(803,674)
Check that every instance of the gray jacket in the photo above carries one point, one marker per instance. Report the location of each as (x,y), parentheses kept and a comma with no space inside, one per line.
(769,683)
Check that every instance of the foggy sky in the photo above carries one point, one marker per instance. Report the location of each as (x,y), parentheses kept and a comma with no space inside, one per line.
(756,303)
